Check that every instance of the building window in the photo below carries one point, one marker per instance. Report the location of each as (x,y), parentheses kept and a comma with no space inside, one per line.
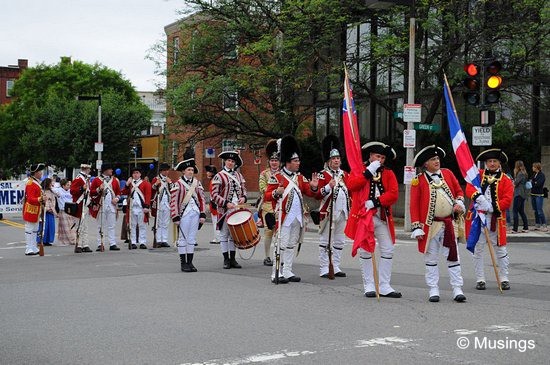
(230,49)
(9,87)
(176,48)
(230,100)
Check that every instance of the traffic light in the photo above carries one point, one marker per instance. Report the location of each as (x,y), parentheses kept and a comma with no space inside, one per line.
(493,82)
(471,84)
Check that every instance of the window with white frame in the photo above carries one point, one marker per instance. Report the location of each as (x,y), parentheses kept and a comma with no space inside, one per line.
(9,87)
(176,49)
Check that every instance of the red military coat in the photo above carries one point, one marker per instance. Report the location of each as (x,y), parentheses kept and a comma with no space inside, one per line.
(359,187)
(164,188)
(502,195)
(422,205)
(224,185)
(78,190)
(31,209)
(95,195)
(145,196)
(282,179)
(177,195)
(324,178)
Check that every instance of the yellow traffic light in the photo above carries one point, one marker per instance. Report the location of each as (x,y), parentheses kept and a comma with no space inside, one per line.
(494,81)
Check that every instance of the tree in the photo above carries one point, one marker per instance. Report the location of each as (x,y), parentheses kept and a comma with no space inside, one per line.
(46,123)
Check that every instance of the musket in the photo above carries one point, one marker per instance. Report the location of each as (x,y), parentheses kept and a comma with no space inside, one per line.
(278,241)
(154,229)
(100,212)
(42,229)
(331,227)
(129,219)
(84,201)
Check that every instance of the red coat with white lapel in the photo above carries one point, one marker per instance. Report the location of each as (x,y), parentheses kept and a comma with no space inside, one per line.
(95,195)
(421,201)
(145,188)
(31,209)
(324,178)
(359,187)
(77,190)
(281,179)
(178,193)
(502,201)
(222,186)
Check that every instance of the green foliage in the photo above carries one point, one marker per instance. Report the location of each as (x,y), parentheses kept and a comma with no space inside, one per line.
(46,123)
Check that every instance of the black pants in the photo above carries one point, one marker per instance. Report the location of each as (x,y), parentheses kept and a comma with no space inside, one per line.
(519,209)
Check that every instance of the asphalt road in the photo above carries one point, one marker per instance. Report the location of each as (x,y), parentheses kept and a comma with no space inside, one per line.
(137,307)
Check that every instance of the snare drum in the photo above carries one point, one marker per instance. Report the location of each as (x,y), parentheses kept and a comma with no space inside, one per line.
(243,229)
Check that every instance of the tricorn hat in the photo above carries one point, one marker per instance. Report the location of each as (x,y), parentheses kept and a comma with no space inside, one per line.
(426,153)
(106,166)
(233,155)
(271,150)
(331,147)
(84,166)
(211,168)
(288,149)
(164,166)
(496,153)
(190,162)
(135,168)
(380,148)
(36,167)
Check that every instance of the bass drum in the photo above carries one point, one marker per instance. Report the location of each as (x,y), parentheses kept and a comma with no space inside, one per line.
(243,229)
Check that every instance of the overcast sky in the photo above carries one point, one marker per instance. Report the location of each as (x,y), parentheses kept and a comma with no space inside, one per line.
(114,33)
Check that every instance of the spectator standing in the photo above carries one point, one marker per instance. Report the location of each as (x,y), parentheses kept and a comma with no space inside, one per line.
(537,197)
(520,194)
(51,214)
(65,234)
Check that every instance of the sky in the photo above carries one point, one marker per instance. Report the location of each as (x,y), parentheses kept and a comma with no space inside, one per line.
(115,33)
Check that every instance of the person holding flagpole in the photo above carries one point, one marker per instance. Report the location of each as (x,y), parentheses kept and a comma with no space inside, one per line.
(376,190)
(436,201)
(497,192)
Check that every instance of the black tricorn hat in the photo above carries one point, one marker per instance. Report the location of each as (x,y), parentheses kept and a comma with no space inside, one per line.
(36,167)
(378,147)
(136,168)
(164,166)
(271,150)
(211,168)
(289,149)
(426,153)
(106,166)
(331,147)
(496,153)
(233,155)
(187,163)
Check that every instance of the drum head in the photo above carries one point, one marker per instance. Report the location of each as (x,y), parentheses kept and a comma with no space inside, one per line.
(238,217)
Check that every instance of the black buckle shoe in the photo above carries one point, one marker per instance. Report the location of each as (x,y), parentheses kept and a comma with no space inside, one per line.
(133,247)
(393,294)
(98,249)
(460,298)
(226,264)
(143,246)
(114,248)
(505,285)
(480,285)
(78,249)
(86,249)
(268,262)
(324,276)
(370,294)
(282,280)
(234,264)
(340,274)
(434,298)
(164,244)
(294,279)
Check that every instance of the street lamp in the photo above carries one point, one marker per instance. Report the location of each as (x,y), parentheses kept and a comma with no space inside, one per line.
(98,145)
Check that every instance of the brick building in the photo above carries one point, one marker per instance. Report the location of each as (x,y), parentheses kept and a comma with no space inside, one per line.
(8,75)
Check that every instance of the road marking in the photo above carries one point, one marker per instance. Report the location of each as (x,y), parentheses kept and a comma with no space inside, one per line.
(284,354)
(464,332)
(13,224)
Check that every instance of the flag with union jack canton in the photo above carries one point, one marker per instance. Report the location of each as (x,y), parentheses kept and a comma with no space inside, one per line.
(466,164)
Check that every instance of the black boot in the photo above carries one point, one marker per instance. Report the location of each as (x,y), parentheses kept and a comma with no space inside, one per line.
(190,262)
(226,264)
(184,265)
(232,260)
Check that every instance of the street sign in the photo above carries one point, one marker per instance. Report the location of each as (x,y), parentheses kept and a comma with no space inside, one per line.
(412,113)
(409,138)
(482,136)
(98,147)
(427,127)
(210,152)
(409,172)
(256,146)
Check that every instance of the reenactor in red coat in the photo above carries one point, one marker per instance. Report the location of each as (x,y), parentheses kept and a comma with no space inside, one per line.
(80,191)
(160,204)
(334,207)
(187,211)
(32,208)
(105,194)
(436,201)
(139,197)
(227,191)
(376,189)
(285,190)
(497,194)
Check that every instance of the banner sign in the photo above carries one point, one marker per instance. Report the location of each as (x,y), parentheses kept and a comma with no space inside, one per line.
(11,194)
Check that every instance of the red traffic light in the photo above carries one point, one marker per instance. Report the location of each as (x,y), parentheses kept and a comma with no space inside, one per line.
(494,67)
(471,69)
(471,84)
